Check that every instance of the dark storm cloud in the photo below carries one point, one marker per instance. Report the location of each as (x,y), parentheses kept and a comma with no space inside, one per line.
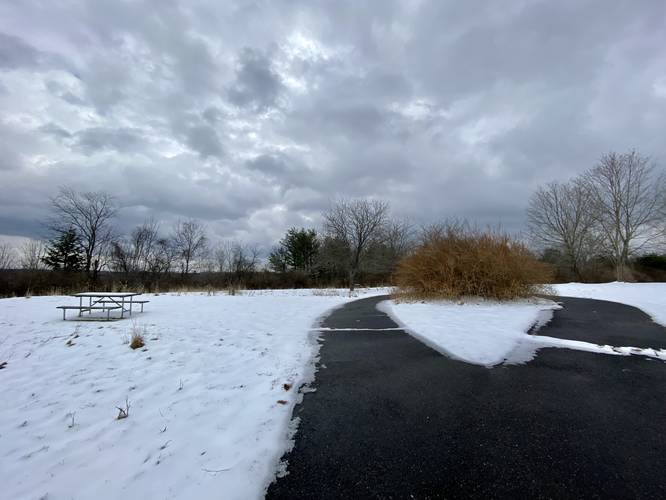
(256,83)
(252,115)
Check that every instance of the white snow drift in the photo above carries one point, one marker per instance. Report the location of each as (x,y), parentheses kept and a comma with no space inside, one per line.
(209,411)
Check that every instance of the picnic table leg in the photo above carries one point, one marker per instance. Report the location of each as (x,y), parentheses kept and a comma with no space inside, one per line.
(122,308)
(108,314)
(63,314)
(90,304)
(80,306)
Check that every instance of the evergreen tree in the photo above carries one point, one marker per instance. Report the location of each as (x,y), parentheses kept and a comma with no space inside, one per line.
(277,260)
(65,252)
(302,247)
(297,250)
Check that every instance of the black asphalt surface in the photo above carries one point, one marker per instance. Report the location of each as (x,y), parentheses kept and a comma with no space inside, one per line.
(392,418)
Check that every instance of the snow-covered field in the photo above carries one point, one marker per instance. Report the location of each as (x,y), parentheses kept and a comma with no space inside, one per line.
(649,297)
(209,409)
(490,333)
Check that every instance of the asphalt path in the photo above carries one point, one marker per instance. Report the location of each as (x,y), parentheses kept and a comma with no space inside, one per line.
(392,418)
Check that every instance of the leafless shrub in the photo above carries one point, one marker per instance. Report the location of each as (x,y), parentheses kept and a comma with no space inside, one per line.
(454,261)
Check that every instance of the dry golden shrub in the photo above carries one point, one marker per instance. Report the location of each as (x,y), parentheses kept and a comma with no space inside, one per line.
(454,261)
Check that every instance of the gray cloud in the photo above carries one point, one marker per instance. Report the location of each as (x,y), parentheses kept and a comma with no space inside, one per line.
(15,53)
(252,115)
(97,139)
(204,140)
(256,83)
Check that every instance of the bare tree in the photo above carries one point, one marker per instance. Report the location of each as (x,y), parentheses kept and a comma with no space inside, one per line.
(396,241)
(399,238)
(562,216)
(90,214)
(191,242)
(356,223)
(164,256)
(32,252)
(243,259)
(7,256)
(135,253)
(221,256)
(627,196)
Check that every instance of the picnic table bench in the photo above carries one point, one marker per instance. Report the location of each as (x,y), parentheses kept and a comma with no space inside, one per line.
(105,302)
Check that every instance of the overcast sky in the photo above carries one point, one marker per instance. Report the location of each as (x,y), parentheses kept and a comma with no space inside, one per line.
(251,116)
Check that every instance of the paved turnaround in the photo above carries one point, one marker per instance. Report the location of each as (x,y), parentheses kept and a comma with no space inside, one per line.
(392,418)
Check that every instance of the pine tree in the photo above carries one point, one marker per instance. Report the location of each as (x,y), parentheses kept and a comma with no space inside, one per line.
(65,252)
(277,260)
(297,250)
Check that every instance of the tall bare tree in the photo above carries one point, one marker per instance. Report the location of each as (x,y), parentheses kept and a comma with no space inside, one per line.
(32,252)
(164,256)
(91,215)
(357,224)
(562,216)
(191,242)
(135,253)
(7,256)
(399,238)
(242,258)
(627,196)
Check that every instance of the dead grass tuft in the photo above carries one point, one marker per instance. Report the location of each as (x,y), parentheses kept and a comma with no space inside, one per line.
(137,341)
(123,412)
(137,336)
(454,261)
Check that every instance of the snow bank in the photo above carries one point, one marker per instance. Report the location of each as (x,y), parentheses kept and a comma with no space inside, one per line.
(209,412)
(649,297)
(483,332)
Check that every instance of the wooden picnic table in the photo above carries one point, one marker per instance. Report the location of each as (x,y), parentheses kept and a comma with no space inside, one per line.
(105,302)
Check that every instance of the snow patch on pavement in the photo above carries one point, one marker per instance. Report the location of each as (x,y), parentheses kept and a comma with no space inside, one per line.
(649,297)
(209,413)
(490,333)
(479,332)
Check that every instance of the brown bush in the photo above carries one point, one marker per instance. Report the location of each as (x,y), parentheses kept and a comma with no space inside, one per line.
(454,261)
(137,339)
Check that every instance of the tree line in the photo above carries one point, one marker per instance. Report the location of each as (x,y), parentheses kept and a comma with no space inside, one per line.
(358,237)
(611,216)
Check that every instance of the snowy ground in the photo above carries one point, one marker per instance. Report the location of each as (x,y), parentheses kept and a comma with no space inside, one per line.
(490,333)
(649,297)
(209,408)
